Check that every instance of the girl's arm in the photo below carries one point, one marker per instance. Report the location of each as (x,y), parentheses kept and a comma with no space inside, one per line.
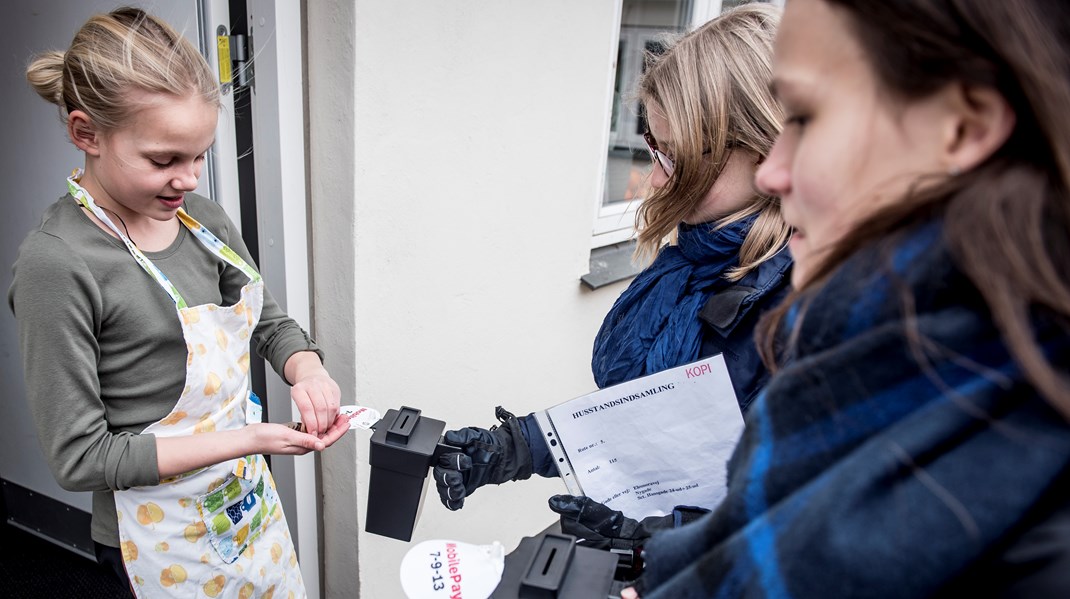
(317,398)
(175,455)
(58,306)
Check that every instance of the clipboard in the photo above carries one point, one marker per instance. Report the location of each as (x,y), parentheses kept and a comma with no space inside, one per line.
(649,444)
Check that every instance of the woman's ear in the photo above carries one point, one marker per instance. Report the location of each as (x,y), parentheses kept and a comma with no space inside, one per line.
(983,121)
(83,132)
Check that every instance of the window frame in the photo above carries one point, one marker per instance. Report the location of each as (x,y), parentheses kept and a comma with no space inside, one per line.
(614,223)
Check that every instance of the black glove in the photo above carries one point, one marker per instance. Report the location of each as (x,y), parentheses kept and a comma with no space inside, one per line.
(492,456)
(605,528)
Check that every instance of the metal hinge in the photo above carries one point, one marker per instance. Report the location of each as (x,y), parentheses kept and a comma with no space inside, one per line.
(235,66)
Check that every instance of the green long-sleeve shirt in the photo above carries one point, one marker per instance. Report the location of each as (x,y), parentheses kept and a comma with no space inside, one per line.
(102,346)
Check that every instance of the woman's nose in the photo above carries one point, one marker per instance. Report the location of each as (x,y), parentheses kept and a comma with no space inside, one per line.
(658,178)
(773,176)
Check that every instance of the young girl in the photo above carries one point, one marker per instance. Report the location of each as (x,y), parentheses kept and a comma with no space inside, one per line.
(915,440)
(136,303)
(711,120)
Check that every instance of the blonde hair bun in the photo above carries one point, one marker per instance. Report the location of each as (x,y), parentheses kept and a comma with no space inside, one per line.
(45,74)
(114,54)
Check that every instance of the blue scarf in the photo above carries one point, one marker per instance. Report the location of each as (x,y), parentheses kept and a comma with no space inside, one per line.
(654,324)
(862,472)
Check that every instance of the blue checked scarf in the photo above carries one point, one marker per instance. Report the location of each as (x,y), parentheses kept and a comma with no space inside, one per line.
(861,473)
(654,324)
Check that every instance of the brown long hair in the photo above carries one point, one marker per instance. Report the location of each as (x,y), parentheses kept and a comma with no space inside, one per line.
(1007,222)
(713,85)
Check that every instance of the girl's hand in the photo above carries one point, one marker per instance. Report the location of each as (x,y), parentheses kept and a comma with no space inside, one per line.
(629,593)
(278,439)
(317,398)
(314,392)
(338,429)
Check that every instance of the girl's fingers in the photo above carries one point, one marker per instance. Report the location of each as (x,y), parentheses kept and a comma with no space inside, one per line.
(337,430)
(307,410)
(323,410)
(318,399)
(309,442)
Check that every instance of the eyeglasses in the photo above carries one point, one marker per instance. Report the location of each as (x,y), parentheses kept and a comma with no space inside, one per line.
(657,155)
(663,160)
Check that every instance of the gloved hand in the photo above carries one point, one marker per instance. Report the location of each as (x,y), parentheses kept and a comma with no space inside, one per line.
(493,456)
(605,528)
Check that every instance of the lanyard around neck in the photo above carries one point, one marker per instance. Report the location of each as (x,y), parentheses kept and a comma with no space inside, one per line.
(206,237)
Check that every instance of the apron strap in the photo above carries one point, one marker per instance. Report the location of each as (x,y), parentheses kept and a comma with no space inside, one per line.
(217,247)
(203,235)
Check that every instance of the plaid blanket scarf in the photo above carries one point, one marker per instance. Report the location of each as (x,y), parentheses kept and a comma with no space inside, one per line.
(867,470)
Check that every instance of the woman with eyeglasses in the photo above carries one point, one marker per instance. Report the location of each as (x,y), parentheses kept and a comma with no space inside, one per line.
(712,120)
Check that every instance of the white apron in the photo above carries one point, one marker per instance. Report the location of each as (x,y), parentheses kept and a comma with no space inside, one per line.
(218,531)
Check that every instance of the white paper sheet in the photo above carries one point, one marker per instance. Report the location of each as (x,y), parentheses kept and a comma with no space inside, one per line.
(650,444)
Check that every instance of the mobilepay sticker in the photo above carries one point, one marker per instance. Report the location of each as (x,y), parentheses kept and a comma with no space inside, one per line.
(440,569)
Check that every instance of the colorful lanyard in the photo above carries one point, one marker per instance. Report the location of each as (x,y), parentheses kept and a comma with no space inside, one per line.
(206,237)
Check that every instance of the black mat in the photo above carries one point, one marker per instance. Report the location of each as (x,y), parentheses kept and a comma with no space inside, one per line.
(32,568)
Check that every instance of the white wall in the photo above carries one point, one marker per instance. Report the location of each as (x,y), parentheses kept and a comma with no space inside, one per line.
(454,169)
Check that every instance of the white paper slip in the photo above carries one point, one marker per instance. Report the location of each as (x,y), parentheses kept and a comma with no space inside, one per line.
(360,416)
(650,444)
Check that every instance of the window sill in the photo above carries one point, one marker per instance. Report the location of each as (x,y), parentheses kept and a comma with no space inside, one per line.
(611,264)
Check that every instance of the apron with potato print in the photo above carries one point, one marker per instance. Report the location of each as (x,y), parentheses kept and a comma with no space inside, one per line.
(217,531)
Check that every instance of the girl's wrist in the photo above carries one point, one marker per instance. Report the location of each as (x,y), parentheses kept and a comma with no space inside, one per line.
(305,364)
(248,439)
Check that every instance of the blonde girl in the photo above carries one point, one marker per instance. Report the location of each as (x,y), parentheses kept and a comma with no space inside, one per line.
(136,302)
